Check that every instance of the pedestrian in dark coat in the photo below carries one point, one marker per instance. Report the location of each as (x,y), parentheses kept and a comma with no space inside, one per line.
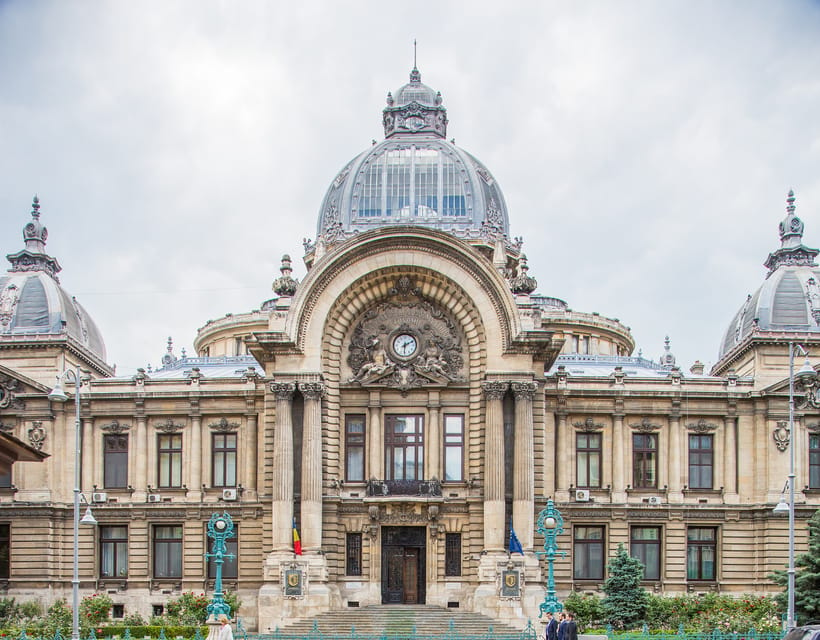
(552,627)
(570,628)
(562,625)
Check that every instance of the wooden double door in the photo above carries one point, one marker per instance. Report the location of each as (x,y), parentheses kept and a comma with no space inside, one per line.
(404,555)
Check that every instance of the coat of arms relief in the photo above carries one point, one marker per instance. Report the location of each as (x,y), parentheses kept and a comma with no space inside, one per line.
(405,342)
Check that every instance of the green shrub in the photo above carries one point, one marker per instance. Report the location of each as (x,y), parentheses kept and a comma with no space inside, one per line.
(94,610)
(153,631)
(588,609)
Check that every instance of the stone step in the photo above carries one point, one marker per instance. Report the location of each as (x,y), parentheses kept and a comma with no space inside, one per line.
(400,620)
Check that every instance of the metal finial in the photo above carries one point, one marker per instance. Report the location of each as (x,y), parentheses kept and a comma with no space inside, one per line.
(415,76)
(415,52)
(35,207)
(170,344)
(790,203)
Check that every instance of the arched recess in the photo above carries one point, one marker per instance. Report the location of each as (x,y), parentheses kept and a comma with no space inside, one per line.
(403,247)
(368,291)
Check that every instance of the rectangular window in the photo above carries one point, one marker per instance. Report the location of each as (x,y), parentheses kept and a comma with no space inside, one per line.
(701,457)
(404,447)
(5,551)
(230,566)
(113,552)
(588,553)
(354,448)
(353,554)
(644,460)
(814,461)
(168,551)
(224,459)
(453,448)
(645,545)
(5,474)
(452,554)
(588,458)
(701,553)
(169,449)
(115,461)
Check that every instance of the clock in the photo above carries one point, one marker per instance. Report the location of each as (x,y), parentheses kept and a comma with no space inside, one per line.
(405,345)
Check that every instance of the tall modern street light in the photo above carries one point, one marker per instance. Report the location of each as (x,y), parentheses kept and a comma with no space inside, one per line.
(58,395)
(806,372)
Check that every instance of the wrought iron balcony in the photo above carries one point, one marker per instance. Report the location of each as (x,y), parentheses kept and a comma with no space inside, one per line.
(377,488)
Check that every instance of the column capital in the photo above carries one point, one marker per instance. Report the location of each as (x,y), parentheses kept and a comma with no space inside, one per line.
(523,390)
(312,390)
(283,390)
(494,390)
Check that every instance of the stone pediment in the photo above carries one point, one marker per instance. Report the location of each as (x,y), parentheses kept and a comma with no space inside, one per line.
(13,386)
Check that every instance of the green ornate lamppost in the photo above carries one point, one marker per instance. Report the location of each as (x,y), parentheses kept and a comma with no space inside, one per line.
(220,528)
(550,525)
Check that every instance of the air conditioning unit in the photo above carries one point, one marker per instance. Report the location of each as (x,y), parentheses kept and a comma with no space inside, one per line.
(154,497)
(229,494)
(655,501)
(99,497)
(581,495)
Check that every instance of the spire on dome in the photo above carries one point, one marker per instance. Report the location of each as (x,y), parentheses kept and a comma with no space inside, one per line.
(169,358)
(791,251)
(414,109)
(34,257)
(415,74)
(285,285)
(667,359)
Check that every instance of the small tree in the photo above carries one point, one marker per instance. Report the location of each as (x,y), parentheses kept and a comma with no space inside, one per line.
(626,600)
(806,579)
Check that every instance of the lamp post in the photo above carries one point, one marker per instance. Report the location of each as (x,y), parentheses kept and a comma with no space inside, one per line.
(58,395)
(550,525)
(220,528)
(806,371)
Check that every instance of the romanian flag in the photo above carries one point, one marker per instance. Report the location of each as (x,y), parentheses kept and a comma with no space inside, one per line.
(297,543)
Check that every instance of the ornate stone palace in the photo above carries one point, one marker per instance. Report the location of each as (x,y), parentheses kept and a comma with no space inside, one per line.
(403,406)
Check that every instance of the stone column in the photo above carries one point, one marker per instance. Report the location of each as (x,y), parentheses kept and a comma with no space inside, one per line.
(524,464)
(618,459)
(89,465)
(282,490)
(675,484)
(566,448)
(730,459)
(494,466)
(197,452)
(433,441)
(251,462)
(139,459)
(311,528)
(374,437)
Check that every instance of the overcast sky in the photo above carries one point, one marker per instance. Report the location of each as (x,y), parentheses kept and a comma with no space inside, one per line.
(179,148)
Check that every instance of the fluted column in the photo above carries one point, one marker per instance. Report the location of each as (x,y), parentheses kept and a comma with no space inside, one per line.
(494,466)
(140,458)
(565,448)
(282,490)
(730,458)
(312,466)
(618,459)
(197,451)
(433,442)
(89,465)
(675,473)
(374,437)
(251,462)
(524,464)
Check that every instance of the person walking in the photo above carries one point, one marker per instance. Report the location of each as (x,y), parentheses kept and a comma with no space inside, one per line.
(571,628)
(562,626)
(225,631)
(552,627)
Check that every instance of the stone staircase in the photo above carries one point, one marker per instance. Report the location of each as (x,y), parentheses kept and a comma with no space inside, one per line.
(400,620)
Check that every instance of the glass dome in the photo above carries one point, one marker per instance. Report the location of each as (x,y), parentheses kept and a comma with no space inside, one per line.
(415,176)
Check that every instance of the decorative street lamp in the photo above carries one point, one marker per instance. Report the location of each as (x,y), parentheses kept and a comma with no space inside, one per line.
(220,528)
(550,525)
(805,374)
(58,395)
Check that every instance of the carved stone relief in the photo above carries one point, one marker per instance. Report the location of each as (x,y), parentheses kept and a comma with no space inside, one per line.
(8,390)
(115,427)
(645,426)
(588,425)
(405,342)
(701,426)
(223,426)
(782,435)
(37,435)
(8,302)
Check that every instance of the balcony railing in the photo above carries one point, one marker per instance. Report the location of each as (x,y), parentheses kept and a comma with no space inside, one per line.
(424,488)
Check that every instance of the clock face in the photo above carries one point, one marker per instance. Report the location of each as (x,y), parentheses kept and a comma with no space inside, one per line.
(404,345)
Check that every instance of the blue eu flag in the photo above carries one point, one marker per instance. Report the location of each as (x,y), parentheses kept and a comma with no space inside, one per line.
(515,543)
